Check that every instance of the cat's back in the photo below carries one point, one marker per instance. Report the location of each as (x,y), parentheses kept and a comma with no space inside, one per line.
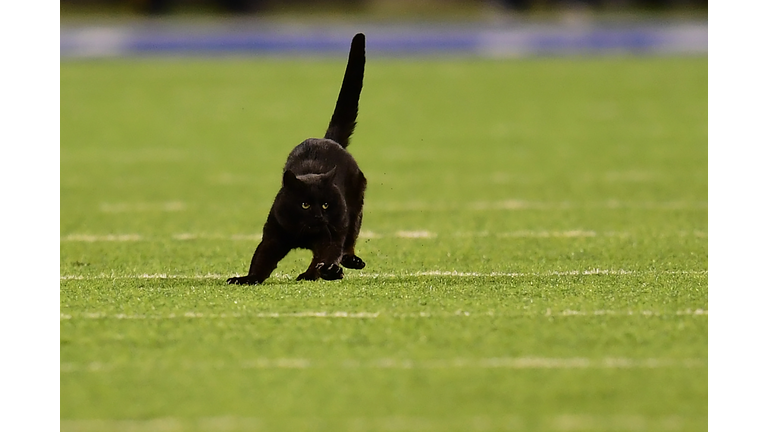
(317,156)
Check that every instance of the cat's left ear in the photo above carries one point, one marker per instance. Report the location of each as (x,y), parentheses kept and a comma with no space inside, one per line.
(290,181)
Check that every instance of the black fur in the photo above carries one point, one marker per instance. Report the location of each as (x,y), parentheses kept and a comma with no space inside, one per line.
(320,204)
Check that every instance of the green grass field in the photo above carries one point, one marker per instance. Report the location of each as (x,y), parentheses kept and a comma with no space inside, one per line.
(535,233)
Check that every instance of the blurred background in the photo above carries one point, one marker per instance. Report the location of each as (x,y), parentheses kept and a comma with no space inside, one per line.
(404,6)
(496,28)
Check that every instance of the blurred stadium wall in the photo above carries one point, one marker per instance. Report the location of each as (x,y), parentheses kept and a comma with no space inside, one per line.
(484,28)
(255,6)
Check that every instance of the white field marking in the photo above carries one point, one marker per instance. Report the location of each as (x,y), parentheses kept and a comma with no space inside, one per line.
(572,233)
(529,363)
(371,315)
(167,424)
(517,204)
(305,314)
(431,273)
(415,234)
(592,423)
(510,204)
(323,314)
(236,237)
(693,312)
(410,423)
(572,422)
(170,206)
(143,276)
(365,234)
(569,312)
(575,233)
(502,274)
(544,274)
(185,236)
(542,234)
(102,238)
(421,206)
(390,363)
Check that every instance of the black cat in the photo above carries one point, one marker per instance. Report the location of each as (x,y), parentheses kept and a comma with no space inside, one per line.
(320,205)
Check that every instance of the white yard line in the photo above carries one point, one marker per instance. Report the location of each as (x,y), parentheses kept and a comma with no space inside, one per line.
(516,204)
(431,273)
(415,234)
(370,315)
(479,423)
(235,237)
(421,206)
(143,276)
(402,234)
(182,315)
(90,238)
(395,363)
(544,234)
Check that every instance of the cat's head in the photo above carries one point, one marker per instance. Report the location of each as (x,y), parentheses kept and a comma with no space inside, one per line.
(310,203)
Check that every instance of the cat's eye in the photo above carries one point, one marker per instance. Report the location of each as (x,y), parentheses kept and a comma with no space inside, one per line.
(305,205)
(325,206)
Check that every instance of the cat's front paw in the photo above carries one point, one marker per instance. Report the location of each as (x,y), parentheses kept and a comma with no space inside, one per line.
(242,280)
(330,271)
(308,275)
(352,262)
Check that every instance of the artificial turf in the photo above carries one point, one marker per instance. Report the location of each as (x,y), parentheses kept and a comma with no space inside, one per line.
(535,232)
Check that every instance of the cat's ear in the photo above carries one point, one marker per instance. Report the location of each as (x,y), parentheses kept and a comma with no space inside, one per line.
(290,181)
(330,175)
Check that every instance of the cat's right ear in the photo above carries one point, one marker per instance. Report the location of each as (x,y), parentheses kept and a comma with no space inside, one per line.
(290,181)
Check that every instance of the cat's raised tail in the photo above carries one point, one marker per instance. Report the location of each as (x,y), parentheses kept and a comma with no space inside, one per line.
(344,116)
